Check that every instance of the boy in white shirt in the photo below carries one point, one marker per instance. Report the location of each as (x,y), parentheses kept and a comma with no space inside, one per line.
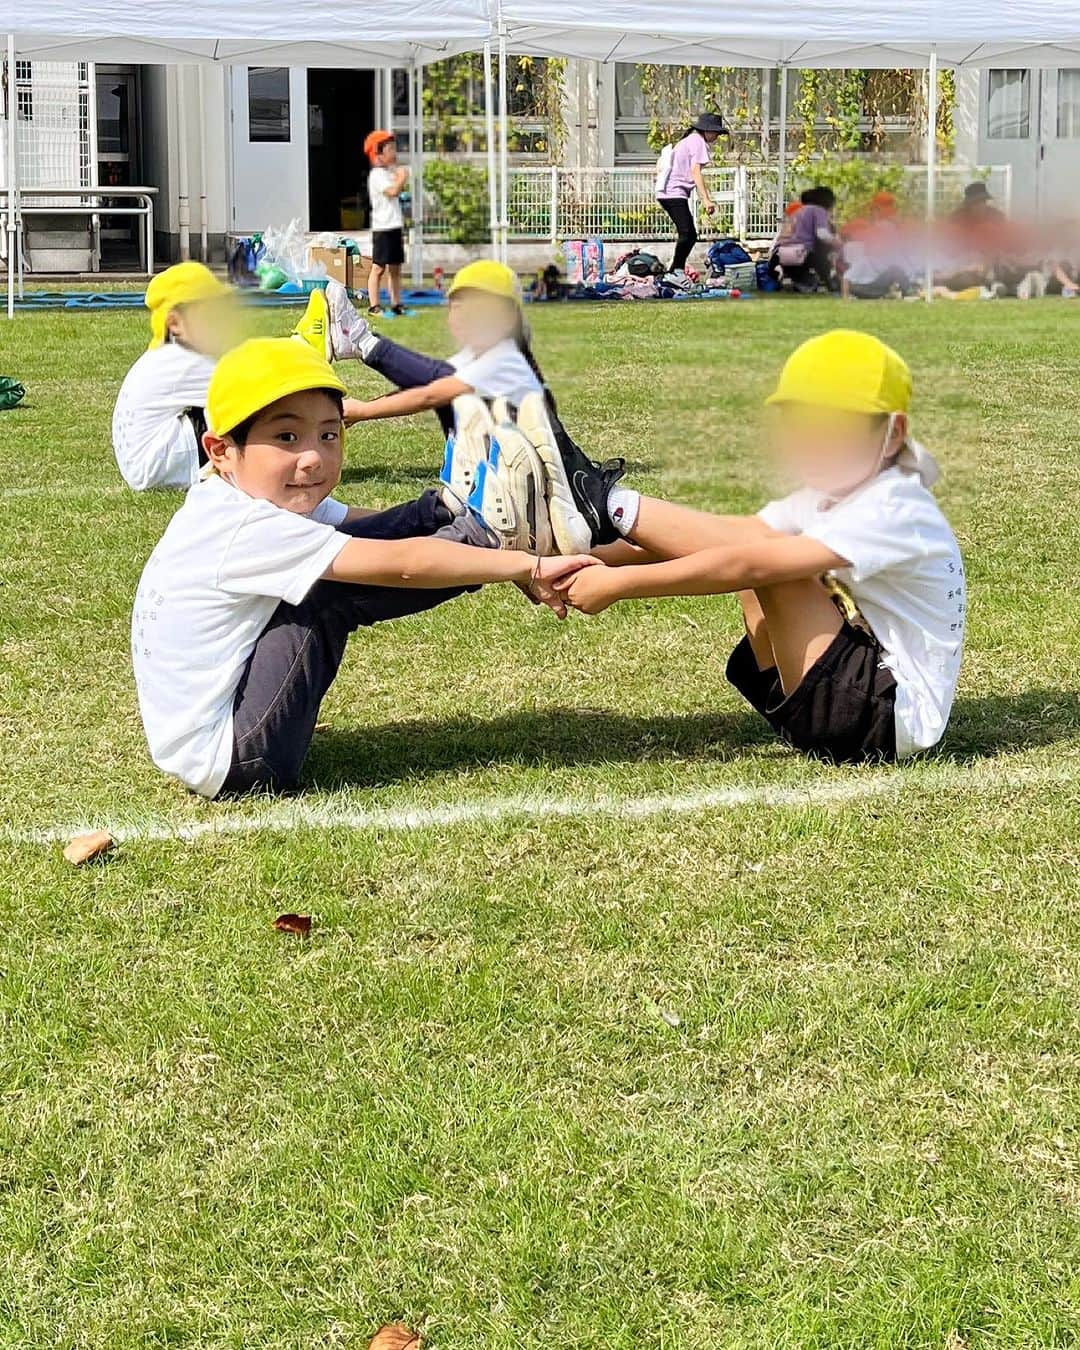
(386,183)
(246,605)
(852,588)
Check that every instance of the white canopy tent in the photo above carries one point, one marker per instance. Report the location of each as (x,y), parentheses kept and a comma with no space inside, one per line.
(918,34)
(380,33)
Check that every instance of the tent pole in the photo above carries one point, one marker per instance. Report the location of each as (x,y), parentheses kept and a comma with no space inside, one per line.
(489,127)
(183,202)
(411,72)
(931,167)
(12,209)
(781,149)
(418,183)
(504,150)
(204,223)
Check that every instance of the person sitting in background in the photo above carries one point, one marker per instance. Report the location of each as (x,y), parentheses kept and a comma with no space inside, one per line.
(808,256)
(871,260)
(679,174)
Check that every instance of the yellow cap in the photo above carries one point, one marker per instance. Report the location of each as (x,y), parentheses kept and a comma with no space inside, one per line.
(493,278)
(258,373)
(183,284)
(847,371)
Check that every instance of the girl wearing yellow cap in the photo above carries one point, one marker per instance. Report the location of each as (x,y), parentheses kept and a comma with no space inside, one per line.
(852,586)
(247,603)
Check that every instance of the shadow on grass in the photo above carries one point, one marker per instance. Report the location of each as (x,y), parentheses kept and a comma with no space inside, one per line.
(374,756)
(371,756)
(999,723)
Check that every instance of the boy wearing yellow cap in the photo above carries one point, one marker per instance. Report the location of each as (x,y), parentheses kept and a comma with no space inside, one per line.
(852,587)
(159,416)
(245,607)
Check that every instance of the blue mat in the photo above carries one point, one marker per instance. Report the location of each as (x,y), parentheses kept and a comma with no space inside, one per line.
(100,300)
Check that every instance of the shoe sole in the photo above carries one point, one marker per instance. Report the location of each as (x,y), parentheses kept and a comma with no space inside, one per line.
(316,324)
(570,529)
(521,472)
(467,446)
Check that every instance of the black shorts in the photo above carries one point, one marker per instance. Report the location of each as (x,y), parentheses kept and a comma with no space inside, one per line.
(388,248)
(843,711)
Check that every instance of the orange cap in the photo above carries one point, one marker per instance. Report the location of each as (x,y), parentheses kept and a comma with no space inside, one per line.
(792,207)
(883,201)
(374,142)
(856,228)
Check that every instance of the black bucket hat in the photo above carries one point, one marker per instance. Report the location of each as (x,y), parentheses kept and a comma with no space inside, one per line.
(977,192)
(710,122)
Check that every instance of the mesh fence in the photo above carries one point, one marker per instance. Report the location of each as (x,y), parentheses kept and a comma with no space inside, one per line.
(53,140)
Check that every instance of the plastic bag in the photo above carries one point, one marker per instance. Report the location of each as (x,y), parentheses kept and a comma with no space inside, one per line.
(286,248)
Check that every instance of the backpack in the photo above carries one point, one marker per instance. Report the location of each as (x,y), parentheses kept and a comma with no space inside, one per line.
(11,392)
(663,169)
(726,252)
(644,265)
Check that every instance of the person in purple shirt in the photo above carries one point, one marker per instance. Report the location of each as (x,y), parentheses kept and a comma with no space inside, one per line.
(688,157)
(812,236)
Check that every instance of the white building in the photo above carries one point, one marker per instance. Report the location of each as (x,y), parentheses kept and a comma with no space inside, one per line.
(264,145)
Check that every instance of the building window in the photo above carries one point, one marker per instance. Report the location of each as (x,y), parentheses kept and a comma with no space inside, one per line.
(268,103)
(1008,105)
(1068,116)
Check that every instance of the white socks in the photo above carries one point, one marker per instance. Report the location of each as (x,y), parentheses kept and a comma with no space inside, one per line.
(367,343)
(623,505)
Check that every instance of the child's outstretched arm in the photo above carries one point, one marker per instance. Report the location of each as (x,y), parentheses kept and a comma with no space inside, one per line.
(767,561)
(431,564)
(438,394)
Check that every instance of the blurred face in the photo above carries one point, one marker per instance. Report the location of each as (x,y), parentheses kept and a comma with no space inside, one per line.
(211,327)
(830,451)
(293,452)
(387,153)
(479,321)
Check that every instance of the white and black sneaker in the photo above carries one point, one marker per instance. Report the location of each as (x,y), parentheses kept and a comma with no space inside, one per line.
(349,332)
(522,472)
(577,487)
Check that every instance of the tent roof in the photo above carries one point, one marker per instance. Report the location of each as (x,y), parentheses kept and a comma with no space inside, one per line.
(359,33)
(881,33)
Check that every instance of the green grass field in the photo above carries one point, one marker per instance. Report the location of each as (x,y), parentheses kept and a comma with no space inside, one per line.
(620,1026)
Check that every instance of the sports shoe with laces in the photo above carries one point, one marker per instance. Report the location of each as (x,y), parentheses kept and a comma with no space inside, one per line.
(314,328)
(521,471)
(467,448)
(571,471)
(348,329)
(571,530)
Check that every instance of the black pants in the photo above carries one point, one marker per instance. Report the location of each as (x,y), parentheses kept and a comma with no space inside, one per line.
(881,285)
(298,653)
(818,267)
(408,370)
(678,208)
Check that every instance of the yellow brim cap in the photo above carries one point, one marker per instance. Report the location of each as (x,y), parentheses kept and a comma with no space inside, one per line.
(258,373)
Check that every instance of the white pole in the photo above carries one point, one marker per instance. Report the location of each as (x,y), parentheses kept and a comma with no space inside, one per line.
(92,155)
(489,126)
(412,160)
(12,208)
(204,224)
(504,150)
(418,185)
(183,203)
(781,150)
(931,168)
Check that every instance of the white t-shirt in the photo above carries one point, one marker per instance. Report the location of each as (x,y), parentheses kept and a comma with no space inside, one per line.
(385,211)
(209,589)
(907,578)
(153,437)
(500,372)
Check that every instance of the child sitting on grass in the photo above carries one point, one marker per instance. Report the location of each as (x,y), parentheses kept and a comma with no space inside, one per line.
(246,605)
(852,587)
(159,417)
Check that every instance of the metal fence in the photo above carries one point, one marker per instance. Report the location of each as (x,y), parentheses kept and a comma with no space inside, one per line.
(54,133)
(619,204)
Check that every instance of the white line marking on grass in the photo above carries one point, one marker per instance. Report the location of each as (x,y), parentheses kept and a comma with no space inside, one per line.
(285,815)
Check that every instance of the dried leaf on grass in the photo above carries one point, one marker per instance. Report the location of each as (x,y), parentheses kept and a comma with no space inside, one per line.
(85,848)
(395,1336)
(300,924)
(954,1341)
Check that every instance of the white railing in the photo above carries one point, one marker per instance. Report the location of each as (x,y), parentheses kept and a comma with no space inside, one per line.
(619,204)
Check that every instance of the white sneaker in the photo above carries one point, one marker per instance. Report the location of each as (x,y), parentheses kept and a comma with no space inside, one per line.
(521,471)
(467,448)
(500,411)
(570,529)
(348,329)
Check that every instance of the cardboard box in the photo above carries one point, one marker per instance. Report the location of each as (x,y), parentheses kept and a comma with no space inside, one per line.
(338,264)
